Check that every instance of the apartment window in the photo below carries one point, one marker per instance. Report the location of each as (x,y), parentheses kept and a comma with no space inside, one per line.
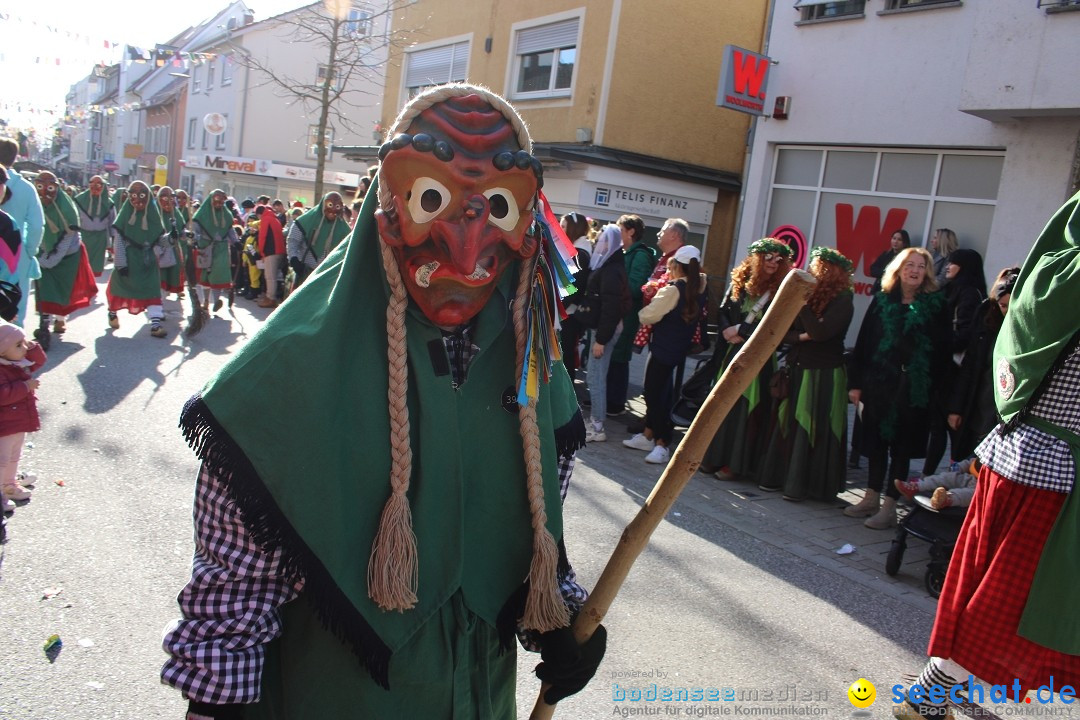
(901,4)
(1056,5)
(219,139)
(196,84)
(830,9)
(313,142)
(322,73)
(226,69)
(209,75)
(358,23)
(205,135)
(192,127)
(435,66)
(544,59)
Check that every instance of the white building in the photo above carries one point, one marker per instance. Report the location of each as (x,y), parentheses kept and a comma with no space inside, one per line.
(918,114)
(244,134)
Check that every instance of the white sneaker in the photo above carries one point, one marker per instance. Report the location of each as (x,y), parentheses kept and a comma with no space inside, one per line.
(16,492)
(594,433)
(659,455)
(639,442)
(27,480)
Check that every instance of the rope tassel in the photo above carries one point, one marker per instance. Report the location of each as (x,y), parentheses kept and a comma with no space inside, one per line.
(393,571)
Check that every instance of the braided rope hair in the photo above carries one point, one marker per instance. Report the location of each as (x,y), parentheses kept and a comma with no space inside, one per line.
(393,567)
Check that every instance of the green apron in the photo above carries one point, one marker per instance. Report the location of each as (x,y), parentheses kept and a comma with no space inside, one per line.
(1050,617)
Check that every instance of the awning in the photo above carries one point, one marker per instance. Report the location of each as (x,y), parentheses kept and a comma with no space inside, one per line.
(636,162)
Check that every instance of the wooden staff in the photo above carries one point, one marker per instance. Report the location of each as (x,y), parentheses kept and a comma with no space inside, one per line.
(793,294)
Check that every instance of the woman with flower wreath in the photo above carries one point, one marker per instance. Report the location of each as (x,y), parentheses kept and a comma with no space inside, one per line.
(740,443)
(903,345)
(806,455)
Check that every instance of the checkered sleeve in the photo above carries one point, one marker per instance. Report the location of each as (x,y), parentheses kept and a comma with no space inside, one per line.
(229,607)
(1029,456)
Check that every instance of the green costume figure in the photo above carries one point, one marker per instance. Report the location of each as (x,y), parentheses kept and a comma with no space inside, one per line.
(212,224)
(314,234)
(443,424)
(171,259)
(135,284)
(96,216)
(67,282)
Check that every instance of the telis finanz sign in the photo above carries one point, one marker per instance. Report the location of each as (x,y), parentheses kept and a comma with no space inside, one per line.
(743,78)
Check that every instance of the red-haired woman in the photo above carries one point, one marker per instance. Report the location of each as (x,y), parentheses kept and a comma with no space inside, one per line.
(805,457)
(740,443)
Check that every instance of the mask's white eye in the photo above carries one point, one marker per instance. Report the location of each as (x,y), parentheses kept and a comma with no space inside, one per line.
(427,199)
(503,212)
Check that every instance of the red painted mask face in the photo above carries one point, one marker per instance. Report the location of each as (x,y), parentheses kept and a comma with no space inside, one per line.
(217,200)
(331,207)
(47,187)
(182,199)
(138,196)
(166,200)
(458,220)
(97,186)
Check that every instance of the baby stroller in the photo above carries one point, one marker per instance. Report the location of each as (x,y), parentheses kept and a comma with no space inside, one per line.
(940,528)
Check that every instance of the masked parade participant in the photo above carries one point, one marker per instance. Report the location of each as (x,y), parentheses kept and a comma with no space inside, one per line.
(67,281)
(135,283)
(453,486)
(96,216)
(315,234)
(170,251)
(213,227)
(1007,613)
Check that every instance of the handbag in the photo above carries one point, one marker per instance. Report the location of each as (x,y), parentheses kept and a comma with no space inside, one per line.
(587,311)
(780,383)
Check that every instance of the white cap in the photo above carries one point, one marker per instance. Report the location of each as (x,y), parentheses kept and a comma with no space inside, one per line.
(687,253)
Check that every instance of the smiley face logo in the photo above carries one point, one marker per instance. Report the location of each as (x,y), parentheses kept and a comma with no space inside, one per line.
(861,693)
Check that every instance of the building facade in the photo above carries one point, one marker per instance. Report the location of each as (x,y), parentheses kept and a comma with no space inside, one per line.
(619,96)
(916,114)
(247,134)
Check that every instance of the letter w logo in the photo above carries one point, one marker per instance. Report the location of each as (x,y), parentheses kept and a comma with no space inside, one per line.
(864,239)
(750,71)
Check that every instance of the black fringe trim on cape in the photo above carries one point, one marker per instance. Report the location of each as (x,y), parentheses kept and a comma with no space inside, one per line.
(570,437)
(269,528)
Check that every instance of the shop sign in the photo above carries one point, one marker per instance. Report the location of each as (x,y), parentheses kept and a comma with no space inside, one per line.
(259,166)
(625,200)
(743,78)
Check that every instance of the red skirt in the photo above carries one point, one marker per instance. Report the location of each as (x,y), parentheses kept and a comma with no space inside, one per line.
(82,291)
(132,305)
(987,587)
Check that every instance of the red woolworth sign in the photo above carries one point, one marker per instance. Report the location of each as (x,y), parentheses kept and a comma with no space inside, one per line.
(743,78)
(863,238)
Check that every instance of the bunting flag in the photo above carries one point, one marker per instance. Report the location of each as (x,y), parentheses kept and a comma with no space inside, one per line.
(545,311)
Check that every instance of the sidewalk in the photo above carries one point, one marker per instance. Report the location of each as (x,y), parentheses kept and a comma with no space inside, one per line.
(810,530)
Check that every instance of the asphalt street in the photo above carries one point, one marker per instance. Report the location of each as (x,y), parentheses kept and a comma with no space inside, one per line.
(99,553)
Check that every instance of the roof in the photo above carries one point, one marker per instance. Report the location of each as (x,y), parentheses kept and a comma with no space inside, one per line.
(639,163)
(602,156)
(168,93)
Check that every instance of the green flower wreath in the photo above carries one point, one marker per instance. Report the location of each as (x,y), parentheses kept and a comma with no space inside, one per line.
(827,254)
(770,245)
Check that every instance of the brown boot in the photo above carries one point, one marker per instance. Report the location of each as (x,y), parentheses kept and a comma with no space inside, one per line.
(886,516)
(865,507)
(267,302)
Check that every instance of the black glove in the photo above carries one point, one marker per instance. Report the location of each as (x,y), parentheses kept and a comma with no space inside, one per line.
(174,234)
(296,265)
(122,272)
(567,666)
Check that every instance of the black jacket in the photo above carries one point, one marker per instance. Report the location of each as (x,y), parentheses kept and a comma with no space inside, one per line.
(609,283)
(972,396)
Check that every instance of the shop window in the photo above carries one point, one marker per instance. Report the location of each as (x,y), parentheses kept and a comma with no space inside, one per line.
(544,59)
(798,167)
(971,176)
(435,66)
(900,4)
(848,170)
(907,173)
(829,9)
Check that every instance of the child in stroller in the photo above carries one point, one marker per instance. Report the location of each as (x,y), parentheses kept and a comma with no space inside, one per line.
(940,505)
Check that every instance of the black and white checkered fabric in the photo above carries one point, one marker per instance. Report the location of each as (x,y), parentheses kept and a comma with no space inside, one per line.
(1032,457)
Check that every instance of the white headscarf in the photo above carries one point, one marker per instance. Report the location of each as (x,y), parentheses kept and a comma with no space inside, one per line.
(607,242)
